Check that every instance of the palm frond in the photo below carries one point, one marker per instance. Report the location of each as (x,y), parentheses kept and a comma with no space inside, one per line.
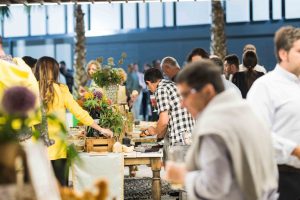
(4,12)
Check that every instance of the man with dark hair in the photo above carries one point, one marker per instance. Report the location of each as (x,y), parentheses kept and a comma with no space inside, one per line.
(227,84)
(170,67)
(231,66)
(276,98)
(196,55)
(227,160)
(30,61)
(174,123)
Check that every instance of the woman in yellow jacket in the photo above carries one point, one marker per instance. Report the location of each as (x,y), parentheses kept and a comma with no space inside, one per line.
(57,98)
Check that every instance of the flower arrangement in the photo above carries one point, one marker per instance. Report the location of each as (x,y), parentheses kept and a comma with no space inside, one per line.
(16,113)
(100,107)
(109,75)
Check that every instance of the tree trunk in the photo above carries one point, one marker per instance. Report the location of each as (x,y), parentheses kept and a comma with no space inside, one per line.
(80,50)
(218,38)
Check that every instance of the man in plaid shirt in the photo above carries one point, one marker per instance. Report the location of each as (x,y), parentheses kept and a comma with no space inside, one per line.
(174,123)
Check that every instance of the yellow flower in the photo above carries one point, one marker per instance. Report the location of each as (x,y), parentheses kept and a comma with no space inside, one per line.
(16,124)
(88,95)
(2,120)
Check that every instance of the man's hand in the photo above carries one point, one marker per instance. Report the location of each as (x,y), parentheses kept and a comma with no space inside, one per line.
(296,152)
(151,130)
(175,173)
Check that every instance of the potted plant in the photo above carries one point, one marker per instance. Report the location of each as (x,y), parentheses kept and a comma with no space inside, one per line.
(101,109)
(109,77)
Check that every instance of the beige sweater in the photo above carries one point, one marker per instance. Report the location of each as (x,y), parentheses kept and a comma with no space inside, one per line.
(247,139)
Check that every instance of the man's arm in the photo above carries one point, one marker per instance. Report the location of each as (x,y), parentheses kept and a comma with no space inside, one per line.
(260,101)
(162,125)
(215,178)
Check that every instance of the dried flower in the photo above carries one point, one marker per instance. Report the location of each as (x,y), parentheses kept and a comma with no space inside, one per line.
(100,60)
(110,61)
(124,55)
(18,100)
(98,94)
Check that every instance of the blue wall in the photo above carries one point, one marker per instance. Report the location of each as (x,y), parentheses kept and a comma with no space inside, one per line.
(146,45)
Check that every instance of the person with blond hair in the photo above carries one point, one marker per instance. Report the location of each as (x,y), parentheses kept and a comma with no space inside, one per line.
(91,68)
(57,98)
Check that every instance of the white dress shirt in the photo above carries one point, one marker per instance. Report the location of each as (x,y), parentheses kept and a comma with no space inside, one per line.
(215,180)
(276,98)
(257,67)
(228,85)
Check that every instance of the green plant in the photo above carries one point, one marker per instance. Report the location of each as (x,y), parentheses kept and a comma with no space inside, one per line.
(109,75)
(100,107)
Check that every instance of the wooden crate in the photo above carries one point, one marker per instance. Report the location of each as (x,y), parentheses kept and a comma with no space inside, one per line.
(99,144)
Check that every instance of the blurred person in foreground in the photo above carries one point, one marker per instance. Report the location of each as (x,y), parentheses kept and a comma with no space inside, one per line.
(227,160)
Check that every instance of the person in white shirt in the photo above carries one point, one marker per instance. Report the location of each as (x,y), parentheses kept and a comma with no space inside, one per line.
(259,68)
(276,98)
(227,159)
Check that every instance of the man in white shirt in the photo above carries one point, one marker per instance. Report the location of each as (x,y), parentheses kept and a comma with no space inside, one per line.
(259,68)
(276,98)
(227,160)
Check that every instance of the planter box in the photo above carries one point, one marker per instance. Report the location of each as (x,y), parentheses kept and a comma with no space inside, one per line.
(99,144)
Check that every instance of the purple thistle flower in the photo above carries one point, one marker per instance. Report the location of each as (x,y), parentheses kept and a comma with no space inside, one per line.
(98,94)
(18,100)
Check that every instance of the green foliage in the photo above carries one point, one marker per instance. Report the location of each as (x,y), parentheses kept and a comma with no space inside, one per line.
(109,115)
(4,12)
(111,118)
(12,126)
(109,75)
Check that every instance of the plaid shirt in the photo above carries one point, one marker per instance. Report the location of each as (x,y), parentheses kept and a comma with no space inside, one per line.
(180,121)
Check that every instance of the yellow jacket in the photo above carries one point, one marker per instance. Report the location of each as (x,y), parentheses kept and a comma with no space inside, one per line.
(19,74)
(63,100)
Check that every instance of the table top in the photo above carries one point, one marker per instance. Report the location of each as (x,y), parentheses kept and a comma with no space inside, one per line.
(133,154)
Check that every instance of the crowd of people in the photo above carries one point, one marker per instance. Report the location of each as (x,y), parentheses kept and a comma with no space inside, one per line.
(245,142)
(240,121)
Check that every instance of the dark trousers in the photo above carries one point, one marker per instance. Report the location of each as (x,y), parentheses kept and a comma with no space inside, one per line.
(289,183)
(61,171)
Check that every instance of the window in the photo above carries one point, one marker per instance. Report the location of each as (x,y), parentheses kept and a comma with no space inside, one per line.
(129,15)
(105,17)
(276,9)
(56,19)
(237,11)
(38,20)
(17,24)
(155,14)
(261,10)
(169,14)
(193,13)
(292,10)
(143,15)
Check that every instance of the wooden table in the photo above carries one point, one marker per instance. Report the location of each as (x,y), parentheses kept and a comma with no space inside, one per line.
(154,161)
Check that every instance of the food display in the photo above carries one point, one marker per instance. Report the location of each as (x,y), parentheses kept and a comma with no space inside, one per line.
(77,137)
